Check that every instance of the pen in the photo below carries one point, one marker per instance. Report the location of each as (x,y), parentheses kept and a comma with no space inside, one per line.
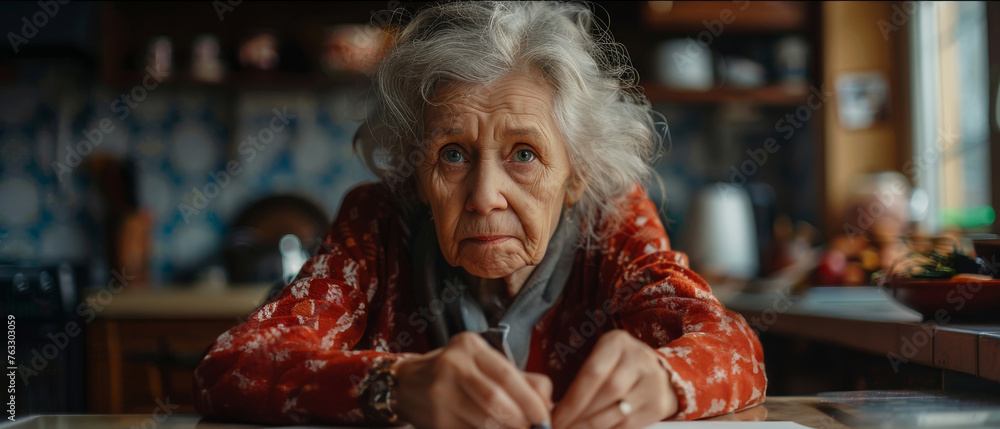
(495,337)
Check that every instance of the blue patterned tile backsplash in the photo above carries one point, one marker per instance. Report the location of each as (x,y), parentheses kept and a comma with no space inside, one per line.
(184,142)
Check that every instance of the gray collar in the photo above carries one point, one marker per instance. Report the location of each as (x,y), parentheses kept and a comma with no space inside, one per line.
(452,305)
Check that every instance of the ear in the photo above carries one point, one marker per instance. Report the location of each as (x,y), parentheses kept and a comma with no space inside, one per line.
(575,189)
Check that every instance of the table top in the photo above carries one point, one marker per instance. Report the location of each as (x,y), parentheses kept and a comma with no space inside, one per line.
(800,410)
(182,303)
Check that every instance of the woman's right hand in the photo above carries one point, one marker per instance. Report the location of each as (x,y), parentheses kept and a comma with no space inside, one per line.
(468,384)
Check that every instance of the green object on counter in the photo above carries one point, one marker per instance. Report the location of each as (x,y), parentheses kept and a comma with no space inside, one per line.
(970,217)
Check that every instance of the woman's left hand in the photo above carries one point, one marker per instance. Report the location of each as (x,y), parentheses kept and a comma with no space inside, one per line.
(621,385)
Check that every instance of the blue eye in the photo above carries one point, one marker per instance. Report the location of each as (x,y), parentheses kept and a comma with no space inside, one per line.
(453,155)
(524,155)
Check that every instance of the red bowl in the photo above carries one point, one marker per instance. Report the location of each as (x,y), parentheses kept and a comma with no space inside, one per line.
(942,301)
(988,249)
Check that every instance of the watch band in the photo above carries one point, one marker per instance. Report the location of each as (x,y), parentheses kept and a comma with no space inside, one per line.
(376,397)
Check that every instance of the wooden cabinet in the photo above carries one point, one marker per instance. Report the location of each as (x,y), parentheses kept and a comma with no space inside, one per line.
(145,344)
(133,363)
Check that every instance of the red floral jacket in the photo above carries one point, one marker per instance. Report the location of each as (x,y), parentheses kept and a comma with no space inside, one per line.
(301,357)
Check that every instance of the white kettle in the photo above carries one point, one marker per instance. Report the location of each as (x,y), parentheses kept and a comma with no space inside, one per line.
(720,234)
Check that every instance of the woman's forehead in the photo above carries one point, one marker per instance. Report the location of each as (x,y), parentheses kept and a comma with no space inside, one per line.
(508,125)
(450,122)
(514,98)
(517,90)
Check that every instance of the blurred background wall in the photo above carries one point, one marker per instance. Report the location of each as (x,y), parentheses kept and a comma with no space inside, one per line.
(167,145)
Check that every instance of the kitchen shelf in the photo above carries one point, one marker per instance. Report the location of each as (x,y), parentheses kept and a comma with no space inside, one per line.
(768,95)
(245,80)
(742,17)
(126,28)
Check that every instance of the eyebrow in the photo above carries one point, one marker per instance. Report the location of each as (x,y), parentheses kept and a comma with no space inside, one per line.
(438,133)
(531,132)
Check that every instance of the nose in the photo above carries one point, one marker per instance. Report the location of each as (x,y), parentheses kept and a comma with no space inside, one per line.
(486,192)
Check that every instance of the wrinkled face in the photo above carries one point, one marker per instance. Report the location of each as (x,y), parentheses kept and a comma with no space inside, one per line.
(496,175)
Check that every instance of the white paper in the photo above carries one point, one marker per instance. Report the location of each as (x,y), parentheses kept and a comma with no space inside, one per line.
(725,425)
(703,424)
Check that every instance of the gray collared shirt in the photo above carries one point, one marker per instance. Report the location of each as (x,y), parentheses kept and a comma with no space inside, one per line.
(439,286)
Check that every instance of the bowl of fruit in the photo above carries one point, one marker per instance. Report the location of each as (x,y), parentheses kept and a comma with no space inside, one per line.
(945,285)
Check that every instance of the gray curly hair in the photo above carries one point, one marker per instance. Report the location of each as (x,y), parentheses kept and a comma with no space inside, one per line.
(609,127)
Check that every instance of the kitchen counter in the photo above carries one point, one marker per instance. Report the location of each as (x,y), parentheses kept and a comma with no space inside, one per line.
(182,302)
(862,318)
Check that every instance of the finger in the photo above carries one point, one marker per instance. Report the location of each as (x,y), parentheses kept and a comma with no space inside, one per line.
(607,417)
(542,384)
(513,382)
(640,418)
(494,401)
(645,411)
(605,408)
(659,387)
(648,402)
(623,379)
(641,403)
(594,372)
(468,413)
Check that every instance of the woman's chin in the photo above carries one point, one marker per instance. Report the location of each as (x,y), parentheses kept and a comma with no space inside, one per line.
(491,265)
(489,270)
(490,260)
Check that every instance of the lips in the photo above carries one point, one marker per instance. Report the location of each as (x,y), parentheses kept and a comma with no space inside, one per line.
(490,239)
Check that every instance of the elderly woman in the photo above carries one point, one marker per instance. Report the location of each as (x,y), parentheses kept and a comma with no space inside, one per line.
(509,270)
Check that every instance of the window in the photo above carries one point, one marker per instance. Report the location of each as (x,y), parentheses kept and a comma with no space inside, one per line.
(951,90)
